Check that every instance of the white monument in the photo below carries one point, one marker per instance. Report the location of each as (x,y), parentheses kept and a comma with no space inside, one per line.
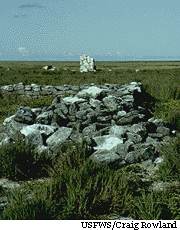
(86,64)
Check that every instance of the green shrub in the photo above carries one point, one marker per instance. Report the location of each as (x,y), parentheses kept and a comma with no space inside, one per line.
(174,207)
(148,207)
(85,189)
(19,161)
(170,168)
(80,188)
(169,111)
(162,205)
(23,205)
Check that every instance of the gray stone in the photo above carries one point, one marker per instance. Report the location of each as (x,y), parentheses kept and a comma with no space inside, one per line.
(8,88)
(131,157)
(13,127)
(106,157)
(24,115)
(91,114)
(122,91)
(142,153)
(89,130)
(81,115)
(106,119)
(45,118)
(110,102)
(37,111)
(154,142)
(136,138)
(129,118)
(4,139)
(155,135)
(72,118)
(73,110)
(134,86)
(59,113)
(35,87)
(43,151)
(138,129)
(59,137)
(118,131)
(158,122)
(102,132)
(121,150)
(121,113)
(164,186)
(84,106)
(34,138)
(163,130)
(76,137)
(95,103)
(128,98)
(128,145)
(28,87)
(147,153)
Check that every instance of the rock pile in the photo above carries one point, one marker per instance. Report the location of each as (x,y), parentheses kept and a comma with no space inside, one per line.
(86,64)
(110,118)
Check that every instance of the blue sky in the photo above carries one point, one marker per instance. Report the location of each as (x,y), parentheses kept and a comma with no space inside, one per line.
(107,30)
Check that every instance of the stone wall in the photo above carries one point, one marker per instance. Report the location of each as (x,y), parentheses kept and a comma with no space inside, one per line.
(35,91)
(110,118)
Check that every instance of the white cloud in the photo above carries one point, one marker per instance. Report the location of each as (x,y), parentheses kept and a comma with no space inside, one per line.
(0,53)
(118,53)
(70,54)
(23,51)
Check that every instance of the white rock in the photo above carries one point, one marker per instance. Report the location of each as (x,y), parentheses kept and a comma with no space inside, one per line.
(86,63)
(118,131)
(107,142)
(70,100)
(45,67)
(121,113)
(8,120)
(94,102)
(158,160)
(44,129)
(92,91)
(110,102)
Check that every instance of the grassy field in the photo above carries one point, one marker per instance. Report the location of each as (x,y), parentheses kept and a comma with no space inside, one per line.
(80,189)
(160,80)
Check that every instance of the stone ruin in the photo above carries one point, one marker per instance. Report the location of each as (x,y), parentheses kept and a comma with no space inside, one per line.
(110,118)
(87,64)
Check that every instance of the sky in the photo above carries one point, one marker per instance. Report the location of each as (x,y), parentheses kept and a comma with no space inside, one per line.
(106,30)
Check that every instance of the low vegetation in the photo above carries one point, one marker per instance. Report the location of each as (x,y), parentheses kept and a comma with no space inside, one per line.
(79,188)
(76,187)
